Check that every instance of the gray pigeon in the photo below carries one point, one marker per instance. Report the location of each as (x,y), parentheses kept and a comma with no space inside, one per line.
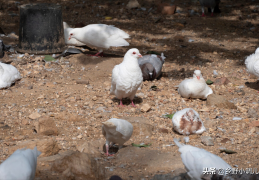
(3,48)
(208,3)
(151,66)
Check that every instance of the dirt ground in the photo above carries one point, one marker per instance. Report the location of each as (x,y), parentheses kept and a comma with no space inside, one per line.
(189,42)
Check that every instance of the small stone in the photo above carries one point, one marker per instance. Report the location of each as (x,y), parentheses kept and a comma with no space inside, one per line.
(252,113)
(168,10)
(145,108)
(237,118)
(82,82)
(254,123)
(221,81)
(163,130)
(46,126)
(133,4)
(207,140)
(34,116)
(80,136)
(98,116)
(94,98)
(186,139)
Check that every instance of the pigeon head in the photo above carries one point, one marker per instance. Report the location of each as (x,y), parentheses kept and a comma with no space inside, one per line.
(197,74)
(134,52)
(148,71)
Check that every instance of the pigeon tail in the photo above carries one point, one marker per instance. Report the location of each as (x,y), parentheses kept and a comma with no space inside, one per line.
(177,143)
(163,57)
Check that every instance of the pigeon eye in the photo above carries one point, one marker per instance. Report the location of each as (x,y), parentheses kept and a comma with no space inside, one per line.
(134,53)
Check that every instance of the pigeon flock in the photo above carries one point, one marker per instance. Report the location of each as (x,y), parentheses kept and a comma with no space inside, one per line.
(127,77)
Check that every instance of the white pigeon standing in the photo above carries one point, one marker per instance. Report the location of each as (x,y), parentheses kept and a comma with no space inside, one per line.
(8,75)
(127,76)
(151,65)
(101,36)
(196,160)
(195,87)
(252,63)
(21,165)
(72,41)
(187,121)
(116,131)
(207,3)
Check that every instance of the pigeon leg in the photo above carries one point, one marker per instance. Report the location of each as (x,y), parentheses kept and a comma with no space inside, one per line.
(99,54)
(203,14)
(212,10)
(107,151)
(132,103)
(121,104)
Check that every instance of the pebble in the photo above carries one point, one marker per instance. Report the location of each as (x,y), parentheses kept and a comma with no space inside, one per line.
(186,139)
(215,73)
(207,140)
(145,107)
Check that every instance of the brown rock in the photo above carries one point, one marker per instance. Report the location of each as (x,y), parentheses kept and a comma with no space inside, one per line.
(145,107)
(254,123)
(25,122)
(221,81)
(34,116)
(92,147)
(141,126)
(219,101)
(78,166)
(46,126)
(47,147)
(168,10)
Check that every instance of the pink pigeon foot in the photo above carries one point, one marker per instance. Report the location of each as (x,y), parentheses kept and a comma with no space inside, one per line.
(212,14)
(107,151)
(121,104)
(203,15)
(99,54)
(132,103)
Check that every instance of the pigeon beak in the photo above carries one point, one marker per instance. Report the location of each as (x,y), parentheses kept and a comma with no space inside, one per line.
(198,77)
(69,38)
(140,55)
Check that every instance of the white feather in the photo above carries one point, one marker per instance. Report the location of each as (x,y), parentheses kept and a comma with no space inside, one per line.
(127,76)
(187,121)
(8,75)
(252,63)
(194,88)
(21,165)
(117,131)
(196,159)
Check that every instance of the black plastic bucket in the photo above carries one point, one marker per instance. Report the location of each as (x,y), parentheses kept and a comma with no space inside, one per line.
(41,29)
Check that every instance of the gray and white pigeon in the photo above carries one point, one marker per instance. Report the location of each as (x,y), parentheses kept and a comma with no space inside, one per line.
(127,76)
(187,121)
(3,48)
(252,63)
(151,66)
(208,3)
(8,75)
(21,165)
(196,160)
(116,131)
(101,36)
(195,87)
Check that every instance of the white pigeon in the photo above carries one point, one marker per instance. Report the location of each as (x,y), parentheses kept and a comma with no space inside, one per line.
(196,160)
(187,121)
(127,76)
(252,63)
(8,75)
(151,65)
(72,41)
(116,131)
(101,36)
(194,88)
(21,165)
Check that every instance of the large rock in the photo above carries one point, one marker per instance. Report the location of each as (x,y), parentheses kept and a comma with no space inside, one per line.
(141,126)
(47,147)
(78,166)
(92,147)
(219,101)
(133,4)
(46,126)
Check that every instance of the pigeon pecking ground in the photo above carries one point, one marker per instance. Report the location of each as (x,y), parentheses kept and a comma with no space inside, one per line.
(73,93)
